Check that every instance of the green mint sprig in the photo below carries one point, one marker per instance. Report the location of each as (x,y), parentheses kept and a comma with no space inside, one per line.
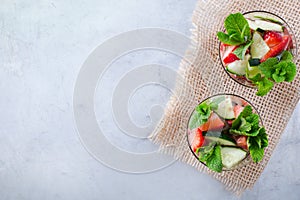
(274,70)
(211,156)
(237,28)
(247,123)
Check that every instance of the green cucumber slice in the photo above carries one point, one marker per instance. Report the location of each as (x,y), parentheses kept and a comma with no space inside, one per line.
(269,19)
(220,141)
(253,71)
(232,156)
(259,47)
(252,24)
(269,26)
(237,67)
(225,109)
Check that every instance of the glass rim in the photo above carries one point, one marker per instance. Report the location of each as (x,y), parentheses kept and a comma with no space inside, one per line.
(212,96)
(295,48)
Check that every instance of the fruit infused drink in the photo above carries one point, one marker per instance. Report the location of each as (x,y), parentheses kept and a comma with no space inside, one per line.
(223,130)
(257,50)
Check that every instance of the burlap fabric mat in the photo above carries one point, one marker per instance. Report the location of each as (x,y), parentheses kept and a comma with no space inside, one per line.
(201,75)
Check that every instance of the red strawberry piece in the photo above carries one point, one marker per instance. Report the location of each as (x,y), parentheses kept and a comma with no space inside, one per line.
(274,51)
(227,54)
(213,123)
(230,58)
(272,38)
(286,32)
(237,110)
(241,141)
(223,46)
(198,139)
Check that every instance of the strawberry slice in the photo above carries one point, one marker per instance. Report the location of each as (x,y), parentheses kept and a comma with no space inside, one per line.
(241,141)
(223,47)
(274,51)
(198,139)
(230,58)
(286,32)
(227,54)
(229,122)
(237,110)
(272,38)
(213,123)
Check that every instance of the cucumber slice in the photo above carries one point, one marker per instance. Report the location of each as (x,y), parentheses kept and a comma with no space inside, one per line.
(253,71)
(225,109)
(220,141)
(212,134)
(269,19)
(232,156)
(269,26)
(259,47)
(237,67)
(252,24)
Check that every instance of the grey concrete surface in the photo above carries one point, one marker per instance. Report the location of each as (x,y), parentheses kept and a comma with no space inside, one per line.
(43,45)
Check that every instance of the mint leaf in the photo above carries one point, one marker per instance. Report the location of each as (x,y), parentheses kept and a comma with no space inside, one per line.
(256,152)
(264,86)
(238,30)
(264,138)
(287,56)
(247,123)
(241,50)
(278,76)
(291,71)
(200,116)
(256,78)
(244,126)
(284,71)
(214,161)
(237,25)
(196,121)
(211,156)
(257,145)
(267,67)
(206,151)
(246,112)
(224,38)
(204,110)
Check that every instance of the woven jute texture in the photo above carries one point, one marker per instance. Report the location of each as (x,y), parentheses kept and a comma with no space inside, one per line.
(201,75)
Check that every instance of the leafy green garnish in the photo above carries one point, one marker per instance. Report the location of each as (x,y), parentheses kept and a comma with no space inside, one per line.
(287,56)
(238,30)
(267,67)
(279,71)
(257,145)
(274,70)
(241,50)
(200,116)
(214,162)
(264,86)
(284,71)
(247,123)
(211,156)
(205,152)
(203,111)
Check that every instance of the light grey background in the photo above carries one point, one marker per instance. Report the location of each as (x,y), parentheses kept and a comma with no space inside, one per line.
(42,47)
